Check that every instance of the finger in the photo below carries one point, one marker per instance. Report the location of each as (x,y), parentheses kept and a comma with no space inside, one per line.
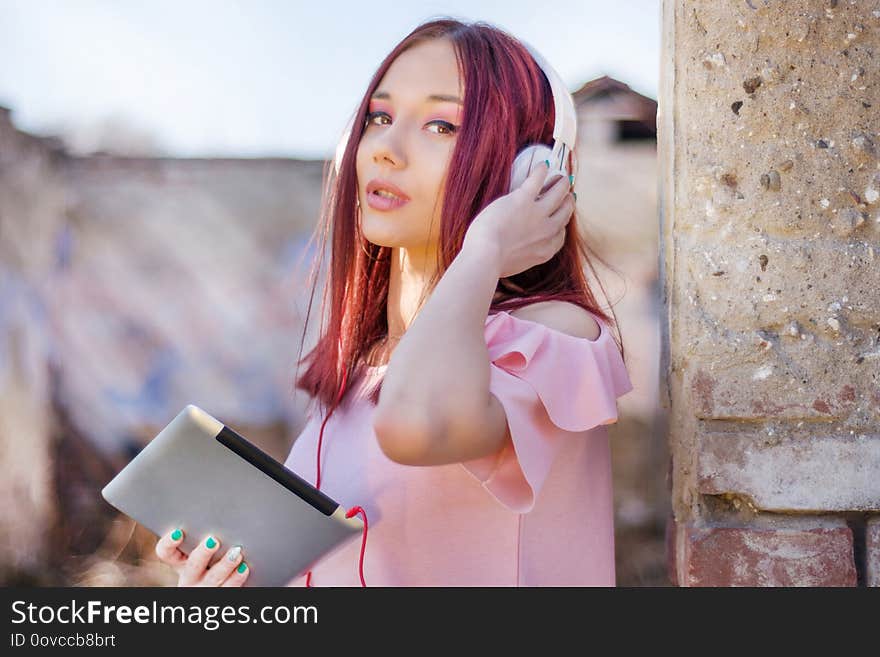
(563,213)
(559,242)
(238,576)
(535,180)
(554,183)
(555,194)
(553,245)
(218,573)
(167,550)
(198,560)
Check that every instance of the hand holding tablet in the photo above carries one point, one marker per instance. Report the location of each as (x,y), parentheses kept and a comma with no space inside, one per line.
(200,477)
(192,570)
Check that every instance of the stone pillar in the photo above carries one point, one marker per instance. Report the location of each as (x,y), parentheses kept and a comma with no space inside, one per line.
(769,137)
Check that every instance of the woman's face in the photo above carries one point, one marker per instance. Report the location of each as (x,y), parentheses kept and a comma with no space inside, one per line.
(408,142)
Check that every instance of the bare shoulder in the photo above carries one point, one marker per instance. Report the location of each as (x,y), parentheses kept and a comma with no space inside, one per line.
(561,316)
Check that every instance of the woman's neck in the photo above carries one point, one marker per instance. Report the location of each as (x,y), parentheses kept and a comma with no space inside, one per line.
(410,275)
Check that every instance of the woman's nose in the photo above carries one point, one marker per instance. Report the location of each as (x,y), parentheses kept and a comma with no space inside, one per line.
(389,146)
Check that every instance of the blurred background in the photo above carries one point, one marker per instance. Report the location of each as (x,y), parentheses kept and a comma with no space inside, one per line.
(160,177)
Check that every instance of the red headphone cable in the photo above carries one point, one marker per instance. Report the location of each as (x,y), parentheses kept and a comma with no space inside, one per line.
(352,511)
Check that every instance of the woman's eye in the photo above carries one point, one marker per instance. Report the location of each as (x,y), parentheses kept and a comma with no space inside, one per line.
(373,115)
(445,125)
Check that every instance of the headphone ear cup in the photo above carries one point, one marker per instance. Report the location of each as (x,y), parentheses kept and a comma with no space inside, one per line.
(526,161)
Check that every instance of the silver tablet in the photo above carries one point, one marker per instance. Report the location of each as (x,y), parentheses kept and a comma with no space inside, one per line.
(201,476)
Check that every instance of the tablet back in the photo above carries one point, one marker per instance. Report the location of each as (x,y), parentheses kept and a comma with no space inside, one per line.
(199,475)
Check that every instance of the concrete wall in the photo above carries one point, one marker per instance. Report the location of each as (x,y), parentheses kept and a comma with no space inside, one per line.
(769,136)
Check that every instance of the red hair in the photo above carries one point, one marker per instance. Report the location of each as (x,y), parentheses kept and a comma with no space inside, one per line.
(507,104)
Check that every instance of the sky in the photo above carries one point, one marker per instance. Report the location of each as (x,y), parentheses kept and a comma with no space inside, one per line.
(267,78)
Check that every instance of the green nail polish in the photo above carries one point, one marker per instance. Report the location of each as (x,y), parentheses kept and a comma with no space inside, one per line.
(242,567)
(571,179)
(575,196)
(176,534)
(211,543)
(547,162)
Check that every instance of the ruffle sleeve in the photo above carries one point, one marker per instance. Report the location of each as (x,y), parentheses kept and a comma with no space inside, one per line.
(553,386)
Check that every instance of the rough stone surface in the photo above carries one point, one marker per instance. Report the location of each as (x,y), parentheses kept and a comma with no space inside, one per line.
(770,230)
(784,469)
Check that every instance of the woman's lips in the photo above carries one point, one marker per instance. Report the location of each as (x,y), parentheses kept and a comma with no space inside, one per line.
(384,203)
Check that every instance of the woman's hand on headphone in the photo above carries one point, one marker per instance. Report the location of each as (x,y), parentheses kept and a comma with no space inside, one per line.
(526,227)
(193,570)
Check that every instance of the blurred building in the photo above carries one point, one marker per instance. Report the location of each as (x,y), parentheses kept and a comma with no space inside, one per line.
(617,204)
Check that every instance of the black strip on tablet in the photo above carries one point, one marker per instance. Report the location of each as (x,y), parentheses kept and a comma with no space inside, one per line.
(290,480)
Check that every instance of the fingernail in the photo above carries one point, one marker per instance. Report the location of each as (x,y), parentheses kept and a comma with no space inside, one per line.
(547,162)
(176,534)
(575,196)
(232,555)
(571,179)
(211,543)
(242,567)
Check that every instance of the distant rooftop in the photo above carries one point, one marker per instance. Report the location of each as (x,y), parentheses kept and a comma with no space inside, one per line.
(606,98)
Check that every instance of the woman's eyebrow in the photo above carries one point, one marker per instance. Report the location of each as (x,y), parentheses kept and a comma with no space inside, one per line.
(436,98)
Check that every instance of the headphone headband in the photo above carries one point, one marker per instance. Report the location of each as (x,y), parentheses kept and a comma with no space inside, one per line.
(565,125)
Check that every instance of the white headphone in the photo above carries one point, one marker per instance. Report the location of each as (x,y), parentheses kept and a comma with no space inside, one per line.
(564,133)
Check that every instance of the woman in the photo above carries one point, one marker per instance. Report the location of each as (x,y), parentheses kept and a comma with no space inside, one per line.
(485,459)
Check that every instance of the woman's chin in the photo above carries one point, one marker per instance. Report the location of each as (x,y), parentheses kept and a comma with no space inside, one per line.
(379,243)
(382,240)
(382,234)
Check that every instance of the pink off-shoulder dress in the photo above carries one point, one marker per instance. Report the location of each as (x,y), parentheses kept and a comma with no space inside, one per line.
(538,513)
